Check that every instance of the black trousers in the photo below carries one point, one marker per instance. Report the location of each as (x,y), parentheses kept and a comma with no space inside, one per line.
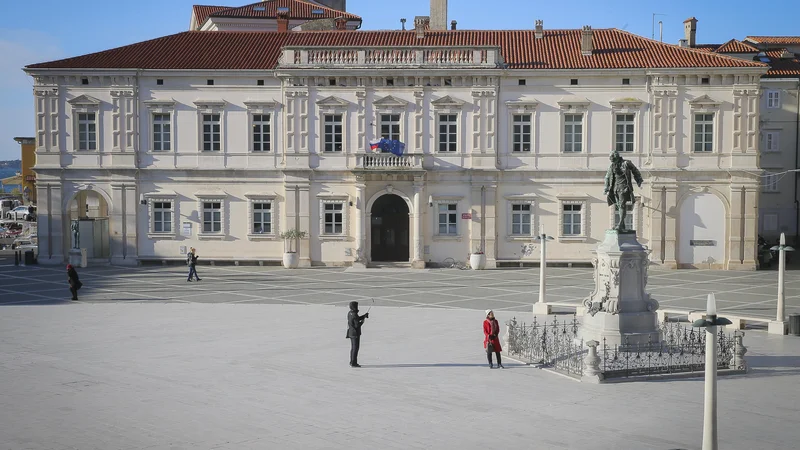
(489,357)
(355,343)
(74,293)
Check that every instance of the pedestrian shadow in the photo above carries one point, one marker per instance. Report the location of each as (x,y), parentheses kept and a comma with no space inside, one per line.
(422,366)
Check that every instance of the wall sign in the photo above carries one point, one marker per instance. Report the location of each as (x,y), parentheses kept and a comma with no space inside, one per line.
(466,216)
(699,243)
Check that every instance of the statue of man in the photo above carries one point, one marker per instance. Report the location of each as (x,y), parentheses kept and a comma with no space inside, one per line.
(76,235)
(619,186)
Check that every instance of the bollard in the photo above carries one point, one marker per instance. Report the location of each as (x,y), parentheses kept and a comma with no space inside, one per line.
(16,258)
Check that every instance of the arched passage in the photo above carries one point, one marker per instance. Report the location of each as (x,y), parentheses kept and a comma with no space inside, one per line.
(90,211)
(702,230)
(389,229)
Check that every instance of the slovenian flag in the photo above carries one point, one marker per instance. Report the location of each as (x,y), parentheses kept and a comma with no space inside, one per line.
(374,144)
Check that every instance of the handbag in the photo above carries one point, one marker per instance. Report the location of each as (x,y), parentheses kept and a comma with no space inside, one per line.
(489,346)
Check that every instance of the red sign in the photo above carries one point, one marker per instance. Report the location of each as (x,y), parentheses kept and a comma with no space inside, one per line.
(30,177)
(466,215)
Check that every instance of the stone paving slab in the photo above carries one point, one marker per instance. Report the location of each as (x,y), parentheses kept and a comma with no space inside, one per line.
(742,293)
(244,376)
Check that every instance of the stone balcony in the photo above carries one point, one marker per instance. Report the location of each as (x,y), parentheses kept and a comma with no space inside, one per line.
(388,161)
(427,57)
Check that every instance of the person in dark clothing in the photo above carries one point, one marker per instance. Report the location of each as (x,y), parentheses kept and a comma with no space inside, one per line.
(491,328)
(74,281)
(191,259)
(354,322)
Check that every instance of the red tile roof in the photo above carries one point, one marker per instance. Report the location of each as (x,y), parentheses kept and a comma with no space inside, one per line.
(559,49)
(201,12)
(711,48)
(736,46)
(780,40)
(782,67)
(298,10)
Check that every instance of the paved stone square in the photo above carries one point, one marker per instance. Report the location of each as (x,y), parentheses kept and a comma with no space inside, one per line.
(752,294)
(191,376)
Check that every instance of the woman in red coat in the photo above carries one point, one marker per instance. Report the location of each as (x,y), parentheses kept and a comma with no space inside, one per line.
(491,342)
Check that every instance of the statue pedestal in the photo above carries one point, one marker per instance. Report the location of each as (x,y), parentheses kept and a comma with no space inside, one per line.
(619,309)
(75,257)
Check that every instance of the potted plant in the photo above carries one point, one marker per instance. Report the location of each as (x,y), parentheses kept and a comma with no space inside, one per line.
(290,257)
(477,260)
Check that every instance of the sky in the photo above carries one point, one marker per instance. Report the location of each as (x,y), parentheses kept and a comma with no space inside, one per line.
(45,30)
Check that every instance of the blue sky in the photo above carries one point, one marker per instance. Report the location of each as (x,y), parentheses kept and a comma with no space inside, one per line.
(52,29)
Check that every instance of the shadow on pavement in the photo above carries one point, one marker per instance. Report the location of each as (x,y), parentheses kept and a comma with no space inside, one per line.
(402,366)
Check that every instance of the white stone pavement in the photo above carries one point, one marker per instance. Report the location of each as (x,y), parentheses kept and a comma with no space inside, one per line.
(221,376)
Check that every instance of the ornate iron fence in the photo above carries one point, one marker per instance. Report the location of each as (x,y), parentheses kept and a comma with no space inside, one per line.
(557,345)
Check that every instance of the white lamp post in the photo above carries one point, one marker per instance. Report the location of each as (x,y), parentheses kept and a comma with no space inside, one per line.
(541,307)
(710,323)
(778,326)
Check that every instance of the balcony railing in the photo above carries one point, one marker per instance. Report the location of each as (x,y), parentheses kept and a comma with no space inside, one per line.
(433,57)
(388,161)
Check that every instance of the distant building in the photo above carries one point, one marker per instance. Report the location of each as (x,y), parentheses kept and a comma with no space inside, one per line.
(28,176)
(223,140)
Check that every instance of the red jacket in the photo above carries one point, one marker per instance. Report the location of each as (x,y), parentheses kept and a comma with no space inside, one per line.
(487,330)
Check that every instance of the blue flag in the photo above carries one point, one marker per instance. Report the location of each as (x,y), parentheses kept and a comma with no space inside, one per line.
(392,146)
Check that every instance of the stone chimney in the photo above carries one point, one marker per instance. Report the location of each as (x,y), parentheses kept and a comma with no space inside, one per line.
(339,5)
(341,23)
(421,24)
(587,46)
(438,15)
(539,33)
(453,24)
(690,31)
(283,22)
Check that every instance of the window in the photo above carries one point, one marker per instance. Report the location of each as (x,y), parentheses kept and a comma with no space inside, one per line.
(84,81)
(259,82)
(448,132)
(390,82)
(703,132)
(521,82)
(521,133)
(626,81)
(211,133)
(390,126)
(624,132)
(573,133)
(448,81)
(705,80)
(162,217)
(772,141)
(448,218)
(573,82)
(87,131)
(162,133)
(332,133)
(262,141)
(262,217)
(160,81)
(212,217)
(572,218)
(773,99)
(209,82)
(331,81)
(770,183)
(521,219)
(630,208)
(333,219)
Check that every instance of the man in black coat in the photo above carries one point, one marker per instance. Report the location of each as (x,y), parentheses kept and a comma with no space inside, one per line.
(354,322)
(74,281)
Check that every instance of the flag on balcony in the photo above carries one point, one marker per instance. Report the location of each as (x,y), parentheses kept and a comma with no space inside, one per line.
(396,148)
(374,144)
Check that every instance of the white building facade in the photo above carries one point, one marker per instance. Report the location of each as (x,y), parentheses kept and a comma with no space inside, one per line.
(506,137)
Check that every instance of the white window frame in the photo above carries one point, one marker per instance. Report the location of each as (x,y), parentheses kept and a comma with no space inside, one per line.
(570,106)
(85,104)
(258,107)
(87,123)
(770,183)
(206,107)
(391,105)
(519,108)
(448,105)
(627,107)
(152,199)
(260,198)
(772,142)
(212,198)
(531,218)
(625,133)
(572,124)
(390,123)
(773,99)
(518,137)
(633,214)
(157,137)
(265,138)
(704,123)
(437,205)
(161,107)
(706,105)
(455,123)
(334,200)
(583,203)
(324,133)
(327,107)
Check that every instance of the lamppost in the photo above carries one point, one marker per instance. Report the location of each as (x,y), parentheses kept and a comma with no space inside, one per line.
(541,307)
(710,323)
(778,326)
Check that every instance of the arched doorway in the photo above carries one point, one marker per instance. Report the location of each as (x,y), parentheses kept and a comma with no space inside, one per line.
(702,230)
(90,211)
(389,230)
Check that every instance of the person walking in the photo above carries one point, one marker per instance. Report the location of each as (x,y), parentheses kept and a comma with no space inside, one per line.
(74,281)
(354,322)
(491,329)
(191,259)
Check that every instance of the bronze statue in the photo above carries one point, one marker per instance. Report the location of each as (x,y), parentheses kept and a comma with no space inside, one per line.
(619,186)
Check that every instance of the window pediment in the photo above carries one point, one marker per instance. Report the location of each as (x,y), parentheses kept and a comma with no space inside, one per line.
(211,194)
(447,102)
(522,106)
(261,195)
(161,194)
(333,102)
(85,101)
(261,104)
(626,103)
(574,103)
(704,102)
(390,102)
(521,197)
(210,104)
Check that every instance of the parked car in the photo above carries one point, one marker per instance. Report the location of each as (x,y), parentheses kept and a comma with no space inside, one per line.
(18,213)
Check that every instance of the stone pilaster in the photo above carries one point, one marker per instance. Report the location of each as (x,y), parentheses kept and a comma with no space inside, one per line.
(52,248)
(671,226)
(736,227)
(360,234)
(417,261)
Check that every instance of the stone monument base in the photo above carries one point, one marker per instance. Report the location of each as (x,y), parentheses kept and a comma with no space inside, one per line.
(75,257)
(623,328)
(777,327)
